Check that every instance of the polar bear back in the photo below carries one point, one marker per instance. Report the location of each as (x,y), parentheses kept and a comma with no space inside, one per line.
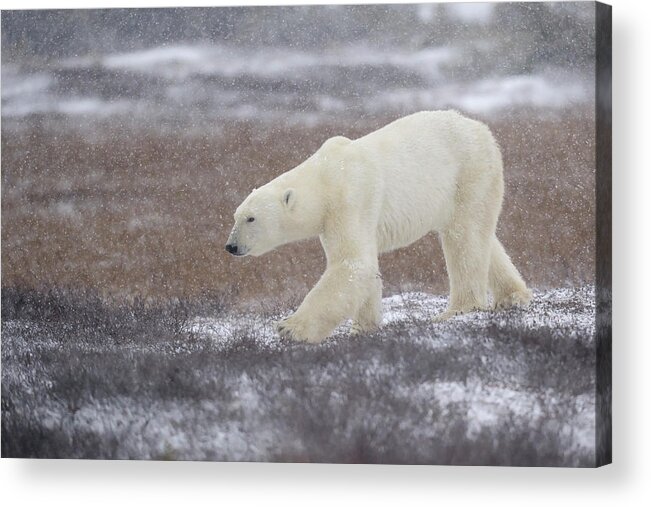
(418,161)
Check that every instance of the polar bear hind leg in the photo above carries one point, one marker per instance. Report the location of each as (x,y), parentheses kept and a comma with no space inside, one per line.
(467,268)
(505,282)
(467,241)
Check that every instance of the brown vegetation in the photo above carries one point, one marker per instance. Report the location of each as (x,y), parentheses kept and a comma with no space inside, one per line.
(148,215)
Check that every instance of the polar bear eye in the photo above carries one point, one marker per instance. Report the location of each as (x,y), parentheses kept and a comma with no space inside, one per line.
(250,219)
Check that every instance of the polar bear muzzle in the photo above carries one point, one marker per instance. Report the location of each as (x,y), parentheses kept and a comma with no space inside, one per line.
(233,249)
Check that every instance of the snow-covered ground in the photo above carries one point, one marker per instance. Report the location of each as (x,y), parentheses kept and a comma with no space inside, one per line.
(548,310)
(515,387)
(224,83)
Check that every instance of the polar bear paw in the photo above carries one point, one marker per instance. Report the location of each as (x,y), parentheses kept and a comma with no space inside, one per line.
(519,298)
(359,328)
(294,329)
(454,312)
(446,315)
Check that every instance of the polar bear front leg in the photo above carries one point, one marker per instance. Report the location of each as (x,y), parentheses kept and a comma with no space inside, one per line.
(339,294)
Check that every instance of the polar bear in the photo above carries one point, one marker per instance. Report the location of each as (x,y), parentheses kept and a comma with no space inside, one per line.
(430,171)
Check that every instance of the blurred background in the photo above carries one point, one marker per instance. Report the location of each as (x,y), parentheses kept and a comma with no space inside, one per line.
(129,136)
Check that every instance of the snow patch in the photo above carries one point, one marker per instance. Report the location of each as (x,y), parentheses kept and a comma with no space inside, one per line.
(487,95)
(568,311)
(472,12)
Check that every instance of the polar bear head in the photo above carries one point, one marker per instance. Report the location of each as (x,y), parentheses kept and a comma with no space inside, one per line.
(289,208)
(274,215)
(261,221)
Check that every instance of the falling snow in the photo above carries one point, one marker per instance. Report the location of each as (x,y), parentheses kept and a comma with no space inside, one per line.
(129,137)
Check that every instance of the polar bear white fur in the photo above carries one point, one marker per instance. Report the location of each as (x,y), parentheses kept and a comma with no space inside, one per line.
(430,171)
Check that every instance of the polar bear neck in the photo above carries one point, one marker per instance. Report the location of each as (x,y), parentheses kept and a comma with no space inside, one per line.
(306,218)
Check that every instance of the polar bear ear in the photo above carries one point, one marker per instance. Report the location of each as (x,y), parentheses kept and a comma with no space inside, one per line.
(289,198)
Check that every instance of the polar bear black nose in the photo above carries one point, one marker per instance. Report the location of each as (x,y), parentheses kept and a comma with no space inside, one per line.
(231,249)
